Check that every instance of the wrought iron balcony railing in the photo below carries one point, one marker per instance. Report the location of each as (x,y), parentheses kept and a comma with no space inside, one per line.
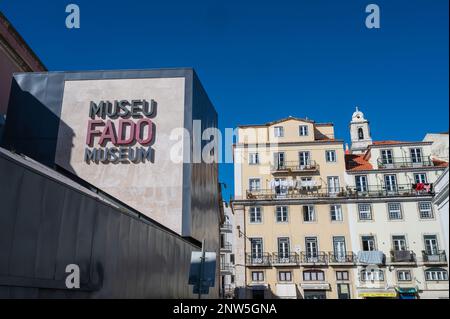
(313,258)
(434,257)
(263,259)
(278,258)
(344,258)
(226,267)
(404,162)
(385,191)
(403,256)
(226,227)
(293,193)
(226,246)
(292,167)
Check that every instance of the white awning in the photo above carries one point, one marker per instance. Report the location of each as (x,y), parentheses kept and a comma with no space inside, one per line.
(286,291)
(315,286)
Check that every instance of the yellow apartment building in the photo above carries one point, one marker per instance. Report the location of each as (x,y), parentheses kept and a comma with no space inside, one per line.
(292,238)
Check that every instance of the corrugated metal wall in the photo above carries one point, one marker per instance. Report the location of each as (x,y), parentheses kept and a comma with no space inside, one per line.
(45,224)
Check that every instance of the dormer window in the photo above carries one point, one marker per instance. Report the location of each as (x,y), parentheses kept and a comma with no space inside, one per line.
(303,130)
(360,134)
(279,131)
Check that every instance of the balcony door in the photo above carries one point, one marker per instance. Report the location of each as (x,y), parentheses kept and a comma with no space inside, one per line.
(339,248)
(283,249)
(312,249)
(361,183)
(281,187)
(386,157)
(333,185)
(399,243)
(304,159)
(431,245)
(368,243)
(416,155)
(257,249)
(279,160)
(390,183)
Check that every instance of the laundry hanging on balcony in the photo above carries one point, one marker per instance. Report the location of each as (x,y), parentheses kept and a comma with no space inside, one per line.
(423,187)
(374,257)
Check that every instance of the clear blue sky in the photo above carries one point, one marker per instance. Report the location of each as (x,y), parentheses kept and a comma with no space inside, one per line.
(263,60)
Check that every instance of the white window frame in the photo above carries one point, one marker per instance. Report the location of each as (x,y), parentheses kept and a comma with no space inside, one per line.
(363,186)
(310,213)
(392,210)
(436,274)
(255,211)
(282,214)
(331,159)
(253,158)
(285,276)
(303,130)
(372,275)
(366,214)
(416,155)
(387,156)
(372,247)
(278,131)
(425,213)
(336,210)
(251,183)
(404,275)
(259,276)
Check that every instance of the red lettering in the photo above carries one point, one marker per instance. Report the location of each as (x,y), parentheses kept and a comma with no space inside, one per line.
(140,129)
(121,138)
(91,131)
(108,134)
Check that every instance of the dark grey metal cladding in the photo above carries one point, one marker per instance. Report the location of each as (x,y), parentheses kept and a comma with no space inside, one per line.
(46,224)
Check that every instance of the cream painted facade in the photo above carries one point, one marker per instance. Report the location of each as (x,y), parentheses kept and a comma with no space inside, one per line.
(280,253)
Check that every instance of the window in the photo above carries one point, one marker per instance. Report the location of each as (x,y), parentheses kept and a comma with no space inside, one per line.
(343,291)
(253,158)
(303,130)
(306,183)
(313,275)
(285,276)
(361,183)
(404,275)
(434,274)
(360,133)
(254,184)
(368,243)
(386,157)
(336,213)
(278,131)
(309,214)
(390,182)
(333,184)
(312,249)
(416,155)
(399,243)
(282,214)
(255,215)
(304,159)
(395,211)
(232,259)
(372,275)
(257,276)
(339,249)
(431,245)
(279,160)
(425,210)
(256,248)
(365,212)
(283,247)
(420,178)
(342,275)
(330,156)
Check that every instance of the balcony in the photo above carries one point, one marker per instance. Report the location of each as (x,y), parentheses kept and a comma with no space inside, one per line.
(295,193)
(348,258)
(402,257)
(295,167)
(403,162)
(226,227)
(226,268)
(226,247)
(259,260)
(404,190)
(284,259)
(319,258)
(435,258)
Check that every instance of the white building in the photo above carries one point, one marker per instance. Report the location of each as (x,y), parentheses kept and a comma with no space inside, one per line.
(394,228)
(227,256)
(441,205)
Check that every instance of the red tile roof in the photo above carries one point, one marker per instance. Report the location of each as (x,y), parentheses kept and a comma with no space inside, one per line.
(389,142)
(440,163)
(355,162)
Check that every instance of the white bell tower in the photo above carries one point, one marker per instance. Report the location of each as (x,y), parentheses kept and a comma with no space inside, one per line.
(359,132)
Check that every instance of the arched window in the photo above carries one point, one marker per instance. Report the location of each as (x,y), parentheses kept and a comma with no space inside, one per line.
(313,275)
(360,133)
(436,274)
